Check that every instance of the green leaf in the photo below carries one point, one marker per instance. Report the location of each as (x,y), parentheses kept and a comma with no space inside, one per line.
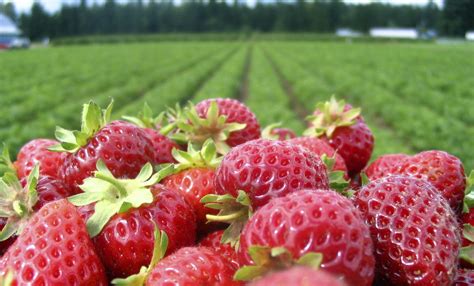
(469,193)
(7,278)
(267,131)
(248,273)
(8,230)
(468,232)
(311,259)
(104,210)
(86,198)
(467,254)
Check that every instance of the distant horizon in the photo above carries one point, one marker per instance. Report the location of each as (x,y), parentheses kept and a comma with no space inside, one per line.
(52,6)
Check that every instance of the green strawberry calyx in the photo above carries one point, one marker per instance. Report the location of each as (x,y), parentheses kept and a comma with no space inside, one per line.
(267,131)
(467,252)
(191,128)
(6,164)
(267,259)
(337,179)
(145,118)
(93,119)
(113,195)
(206,157)
(7,278)
(469,193)
(331,115)
(232,210)
(159,250)
(17,202)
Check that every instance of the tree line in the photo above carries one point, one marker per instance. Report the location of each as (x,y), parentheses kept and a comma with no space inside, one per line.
(320,16)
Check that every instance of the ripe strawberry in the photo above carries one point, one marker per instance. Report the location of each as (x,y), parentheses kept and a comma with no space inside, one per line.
(319,221)
(383,165)
(274,132)
(267,169)
(214,241)
(162,145)
(36,152)
(320,148)
(54,249)
(124,147)
(464,277)
(125,213)
(255,172)
(443,170)
(21,199)
(193,266)
(193,178)
(227,122)
(345,130)
(415,231)
(299,276)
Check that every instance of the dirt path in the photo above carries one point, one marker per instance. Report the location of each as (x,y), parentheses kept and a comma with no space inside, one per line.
(243,92)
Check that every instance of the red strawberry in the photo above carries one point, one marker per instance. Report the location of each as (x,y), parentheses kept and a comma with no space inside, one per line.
(214,241)
(255,172)
(320,148)
(193,178)
(193,266)
(20,200)
(266,169)
(274,132)
(227,122)
(345,130)
(464,277)
(299,276)
(54,249)
(36,152)
(319,221)
(415,231)
(124,147)
(383,165)
(443,170)
(150,124)
(125,213)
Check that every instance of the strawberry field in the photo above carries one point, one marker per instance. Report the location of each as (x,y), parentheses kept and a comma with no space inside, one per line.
(237,163)
(414,97)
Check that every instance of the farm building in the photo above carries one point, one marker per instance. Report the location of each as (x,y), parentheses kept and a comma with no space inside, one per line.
(470,35)
(400,33)
(10,34)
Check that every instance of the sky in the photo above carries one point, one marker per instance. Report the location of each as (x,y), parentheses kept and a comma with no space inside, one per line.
(54,5)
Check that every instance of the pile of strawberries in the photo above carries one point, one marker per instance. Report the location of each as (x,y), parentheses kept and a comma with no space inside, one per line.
(200,195)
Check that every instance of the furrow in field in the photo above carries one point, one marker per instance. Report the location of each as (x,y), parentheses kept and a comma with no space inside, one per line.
(266,96)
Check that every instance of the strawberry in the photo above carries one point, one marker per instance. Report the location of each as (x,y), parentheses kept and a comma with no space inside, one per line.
(124,216)
(415,231)
(227,122)
(320,148)
(193,266)
(255,172)
(443,170)
(214,241)
(124,147)
(345,130)
(299,276)
(320,221)
(383,165)
(21,199)
(193,178)
(162,145)
(36,152)
(274,132)
(464,277)
(54,249)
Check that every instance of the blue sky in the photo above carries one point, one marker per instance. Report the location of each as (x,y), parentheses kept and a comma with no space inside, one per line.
(54,5)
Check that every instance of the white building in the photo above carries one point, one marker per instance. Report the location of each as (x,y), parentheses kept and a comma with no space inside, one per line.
(470,35)
(399,33)
(10,34)
(346,32)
